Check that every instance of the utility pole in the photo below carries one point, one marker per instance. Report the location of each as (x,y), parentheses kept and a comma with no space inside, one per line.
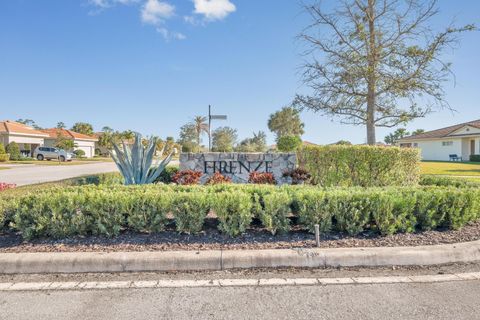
(210,118)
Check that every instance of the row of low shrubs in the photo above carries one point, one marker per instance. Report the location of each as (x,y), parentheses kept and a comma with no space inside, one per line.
(366,166)
(107,210)
(440,181)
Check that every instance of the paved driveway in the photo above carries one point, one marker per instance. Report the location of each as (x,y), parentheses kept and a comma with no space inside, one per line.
(31,174)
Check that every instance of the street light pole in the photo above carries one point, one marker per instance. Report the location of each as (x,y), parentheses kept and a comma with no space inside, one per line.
(210,118)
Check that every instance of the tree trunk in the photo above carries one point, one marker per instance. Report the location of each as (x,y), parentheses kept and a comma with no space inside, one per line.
(372,57)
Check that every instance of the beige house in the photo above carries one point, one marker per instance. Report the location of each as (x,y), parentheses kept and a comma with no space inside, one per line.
(457,142)
(25,136)
(82,141)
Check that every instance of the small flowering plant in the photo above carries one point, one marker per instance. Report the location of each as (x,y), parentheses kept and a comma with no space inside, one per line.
(187,177)
(5,186)
(261,178)
(298,175)
(219,178)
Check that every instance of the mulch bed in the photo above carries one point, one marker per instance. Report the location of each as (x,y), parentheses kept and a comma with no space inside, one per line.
(211,239)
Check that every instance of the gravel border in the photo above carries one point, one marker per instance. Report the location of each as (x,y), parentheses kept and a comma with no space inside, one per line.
(211,239)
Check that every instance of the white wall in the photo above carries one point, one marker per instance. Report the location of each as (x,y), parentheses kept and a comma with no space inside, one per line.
(466,149)
(25,139)
(87,146)
(434,150)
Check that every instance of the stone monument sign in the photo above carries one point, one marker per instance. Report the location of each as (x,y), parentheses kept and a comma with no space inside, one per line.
(238,166)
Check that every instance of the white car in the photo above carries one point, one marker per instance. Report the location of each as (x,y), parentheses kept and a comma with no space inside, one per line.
(49,153)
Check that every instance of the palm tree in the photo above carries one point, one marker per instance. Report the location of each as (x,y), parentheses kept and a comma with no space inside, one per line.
(201,126)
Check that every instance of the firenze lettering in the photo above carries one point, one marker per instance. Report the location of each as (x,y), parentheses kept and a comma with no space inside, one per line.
(233,167)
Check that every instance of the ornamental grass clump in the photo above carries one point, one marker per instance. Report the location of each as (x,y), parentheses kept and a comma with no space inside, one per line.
(234,212)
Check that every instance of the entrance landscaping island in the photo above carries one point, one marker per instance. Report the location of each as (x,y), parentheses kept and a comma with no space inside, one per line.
(359,197)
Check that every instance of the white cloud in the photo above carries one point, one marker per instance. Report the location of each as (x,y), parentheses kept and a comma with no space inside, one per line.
(155,11)
(110,3)
(214,9)
(169,35)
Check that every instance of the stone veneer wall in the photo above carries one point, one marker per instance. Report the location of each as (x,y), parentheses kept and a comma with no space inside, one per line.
(234,164)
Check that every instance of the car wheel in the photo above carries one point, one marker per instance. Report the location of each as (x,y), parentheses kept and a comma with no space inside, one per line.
(62,158)
(40,157)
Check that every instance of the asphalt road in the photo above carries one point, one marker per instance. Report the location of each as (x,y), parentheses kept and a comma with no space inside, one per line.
(449,300)
(31,174)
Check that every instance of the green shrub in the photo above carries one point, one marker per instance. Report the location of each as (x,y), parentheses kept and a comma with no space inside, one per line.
(313,207)
(2,149)
(351,210)
(4,157)
(448,182)
(475,157)
(106,210)
(365,166)
(190,210)
(289,143)
(14,151)
(148,213)
(79,153)
(234,212)
(167,175)
(392,213)
(275,215)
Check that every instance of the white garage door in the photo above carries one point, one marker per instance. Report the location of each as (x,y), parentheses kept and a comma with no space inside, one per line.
(88,148)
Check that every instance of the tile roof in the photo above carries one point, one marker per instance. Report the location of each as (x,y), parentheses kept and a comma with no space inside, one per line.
(69,134)
(444,132)
(19,128)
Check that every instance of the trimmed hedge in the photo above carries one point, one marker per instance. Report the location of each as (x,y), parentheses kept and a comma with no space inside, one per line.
(365,166)
(449,182)
(108,210)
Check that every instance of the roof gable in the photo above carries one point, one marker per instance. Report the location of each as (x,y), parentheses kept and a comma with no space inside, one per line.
(13,127)
(445,132)
(54,133)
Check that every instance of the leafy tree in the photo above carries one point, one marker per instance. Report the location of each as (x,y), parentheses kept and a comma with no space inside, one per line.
(224,139)
(188,138)
(417,132)
(343,143)
(61,125)
(258,143)
(64,143)
(392,138)
(169,144)
(29,122)
(371,61)
(286,122)
(289,143)
(201,126)
(83,128)
(14,151)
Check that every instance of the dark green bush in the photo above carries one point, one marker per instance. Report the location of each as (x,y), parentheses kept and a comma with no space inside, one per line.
(79,153)
(289,143)
(475,157)
(14,151)
(234,212)
(190,210)
(448,182)
(167,175)
(274,215)
(108,209)
(365,166)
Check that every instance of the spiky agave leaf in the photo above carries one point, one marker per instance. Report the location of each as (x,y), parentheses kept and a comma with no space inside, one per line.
(135,162)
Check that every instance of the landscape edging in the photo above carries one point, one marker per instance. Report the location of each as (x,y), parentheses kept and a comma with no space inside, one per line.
(83,262)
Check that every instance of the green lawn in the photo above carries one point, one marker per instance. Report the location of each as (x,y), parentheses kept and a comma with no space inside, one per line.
(4,168)
(471,169)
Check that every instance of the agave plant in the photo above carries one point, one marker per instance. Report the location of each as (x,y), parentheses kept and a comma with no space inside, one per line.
(135,162)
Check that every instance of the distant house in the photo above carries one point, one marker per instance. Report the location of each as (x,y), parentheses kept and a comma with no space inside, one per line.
(82,141)
(27,138)
(461,140)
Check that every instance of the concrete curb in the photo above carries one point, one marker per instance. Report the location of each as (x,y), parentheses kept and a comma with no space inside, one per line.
(82,262)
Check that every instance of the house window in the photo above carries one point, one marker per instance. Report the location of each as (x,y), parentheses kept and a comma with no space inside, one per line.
(447,143)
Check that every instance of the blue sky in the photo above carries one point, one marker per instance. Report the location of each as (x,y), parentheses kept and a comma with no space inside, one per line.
(152,67)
